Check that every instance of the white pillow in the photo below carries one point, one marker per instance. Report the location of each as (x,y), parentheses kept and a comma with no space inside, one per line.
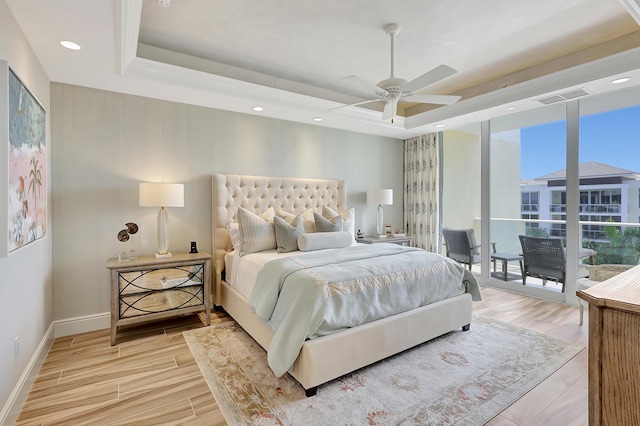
(256,234)
(324,240)
(306,216)
(348,218)
(234,235)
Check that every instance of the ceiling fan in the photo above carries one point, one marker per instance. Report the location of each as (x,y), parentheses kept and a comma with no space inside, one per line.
(394,89)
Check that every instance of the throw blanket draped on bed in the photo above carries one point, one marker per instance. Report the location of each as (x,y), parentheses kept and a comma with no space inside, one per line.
(315,294)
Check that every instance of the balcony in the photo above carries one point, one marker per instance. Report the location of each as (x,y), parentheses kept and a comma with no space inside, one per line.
(617,243)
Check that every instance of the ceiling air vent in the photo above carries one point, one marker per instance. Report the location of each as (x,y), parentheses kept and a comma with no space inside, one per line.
(563,96)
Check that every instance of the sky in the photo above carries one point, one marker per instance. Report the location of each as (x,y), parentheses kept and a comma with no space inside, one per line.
(612,138)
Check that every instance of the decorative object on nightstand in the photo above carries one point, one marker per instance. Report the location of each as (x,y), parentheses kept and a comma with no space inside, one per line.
(380,197)
(132,228)
(194,247)
(123,237)
(162,195)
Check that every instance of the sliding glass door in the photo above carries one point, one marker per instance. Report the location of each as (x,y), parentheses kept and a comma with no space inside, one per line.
(572,177)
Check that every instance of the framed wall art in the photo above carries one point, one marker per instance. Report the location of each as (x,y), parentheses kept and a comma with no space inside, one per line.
(24,193)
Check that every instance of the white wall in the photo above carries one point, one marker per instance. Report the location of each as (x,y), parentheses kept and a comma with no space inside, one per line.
(106,143)
(25,275)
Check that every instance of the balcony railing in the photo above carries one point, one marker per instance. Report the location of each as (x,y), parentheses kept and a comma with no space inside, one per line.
(615,242)
(600,208)
(530,207)
(588,208)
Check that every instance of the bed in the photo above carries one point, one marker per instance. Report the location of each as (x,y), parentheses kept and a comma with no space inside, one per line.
(326,357)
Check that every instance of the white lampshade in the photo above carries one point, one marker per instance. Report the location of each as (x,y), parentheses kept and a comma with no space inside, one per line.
(380,196)
(162,195)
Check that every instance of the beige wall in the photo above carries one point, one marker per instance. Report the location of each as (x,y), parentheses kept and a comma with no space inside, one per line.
(106,143)
(461,180)
(25,275)
(461,186)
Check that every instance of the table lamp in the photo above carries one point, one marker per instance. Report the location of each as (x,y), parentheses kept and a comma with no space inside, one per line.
(162,195)
(380,197)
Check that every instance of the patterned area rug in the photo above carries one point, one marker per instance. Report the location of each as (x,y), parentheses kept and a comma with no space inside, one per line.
(461,378)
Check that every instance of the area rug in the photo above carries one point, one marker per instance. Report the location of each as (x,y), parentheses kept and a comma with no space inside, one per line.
(461,378)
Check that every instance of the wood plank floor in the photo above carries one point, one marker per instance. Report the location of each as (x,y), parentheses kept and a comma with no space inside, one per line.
(151,378)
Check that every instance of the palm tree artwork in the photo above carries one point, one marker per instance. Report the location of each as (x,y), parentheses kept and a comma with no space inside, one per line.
(35,183)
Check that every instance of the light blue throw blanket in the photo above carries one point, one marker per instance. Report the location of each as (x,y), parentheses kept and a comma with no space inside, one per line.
(318,293)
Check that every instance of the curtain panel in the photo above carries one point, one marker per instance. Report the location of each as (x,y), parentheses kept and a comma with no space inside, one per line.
(422,190)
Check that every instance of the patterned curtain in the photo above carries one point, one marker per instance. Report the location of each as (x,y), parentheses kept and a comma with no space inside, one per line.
(422,190)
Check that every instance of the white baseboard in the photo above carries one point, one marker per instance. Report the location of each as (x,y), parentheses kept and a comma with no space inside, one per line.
(11,410)
(77,325)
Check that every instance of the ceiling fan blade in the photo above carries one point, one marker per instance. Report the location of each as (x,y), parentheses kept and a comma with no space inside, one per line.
(354,79)
(390,110)
(433,99)
(354,104)
(430,77)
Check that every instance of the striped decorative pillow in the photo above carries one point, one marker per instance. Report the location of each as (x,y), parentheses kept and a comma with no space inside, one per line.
(256,233)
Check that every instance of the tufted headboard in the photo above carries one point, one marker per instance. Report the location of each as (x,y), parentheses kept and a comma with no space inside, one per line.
(257,193)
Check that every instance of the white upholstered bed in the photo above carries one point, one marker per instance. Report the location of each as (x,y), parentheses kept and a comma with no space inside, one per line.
(328,357)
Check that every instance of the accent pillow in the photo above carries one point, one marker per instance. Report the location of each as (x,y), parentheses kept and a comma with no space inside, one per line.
(307,219)
(234,235)
(234,230)
(324,240)
(256,233)
(348,217)
(287,234)
(327,225)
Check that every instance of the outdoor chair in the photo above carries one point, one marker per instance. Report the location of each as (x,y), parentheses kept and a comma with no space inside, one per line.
(461,246)
(543,258)
(597,274)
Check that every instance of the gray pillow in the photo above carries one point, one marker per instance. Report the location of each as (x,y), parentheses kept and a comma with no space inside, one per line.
(328,225)
(287,234)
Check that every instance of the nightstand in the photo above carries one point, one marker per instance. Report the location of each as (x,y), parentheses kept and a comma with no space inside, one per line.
(402,241)
(148,289)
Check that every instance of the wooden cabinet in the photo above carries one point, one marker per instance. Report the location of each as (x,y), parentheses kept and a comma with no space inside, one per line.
(403,241)
(147,289)
(614,349)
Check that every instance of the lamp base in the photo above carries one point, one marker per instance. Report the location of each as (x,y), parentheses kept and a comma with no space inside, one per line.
(163,255)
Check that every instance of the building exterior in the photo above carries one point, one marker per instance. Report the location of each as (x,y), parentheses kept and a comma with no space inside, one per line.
(607,194)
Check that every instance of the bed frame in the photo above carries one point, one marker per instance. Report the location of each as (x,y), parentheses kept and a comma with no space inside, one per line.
(329,357)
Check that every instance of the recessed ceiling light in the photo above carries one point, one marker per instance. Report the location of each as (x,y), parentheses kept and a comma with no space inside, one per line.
(317,118)
(439,126)
(70,45)
(621,80)
(257,108)
(511,108)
